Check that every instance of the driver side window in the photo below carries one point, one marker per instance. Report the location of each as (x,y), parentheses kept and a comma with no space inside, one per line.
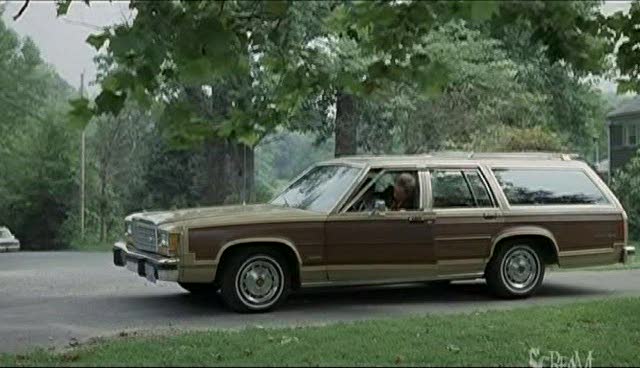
(399,190)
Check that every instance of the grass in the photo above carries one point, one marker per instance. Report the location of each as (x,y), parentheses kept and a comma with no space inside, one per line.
(608,328)
(634,264)
(91,246)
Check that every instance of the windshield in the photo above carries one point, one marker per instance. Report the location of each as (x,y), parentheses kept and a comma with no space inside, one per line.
(319,189)
(4,233)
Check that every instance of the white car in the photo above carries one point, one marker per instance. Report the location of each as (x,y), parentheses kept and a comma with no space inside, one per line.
(8,242)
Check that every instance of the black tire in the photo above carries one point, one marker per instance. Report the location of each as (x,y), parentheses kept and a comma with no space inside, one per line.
(236,291)
(525,260)
(199,289)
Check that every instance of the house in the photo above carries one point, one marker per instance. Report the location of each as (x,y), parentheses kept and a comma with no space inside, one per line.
(624,133)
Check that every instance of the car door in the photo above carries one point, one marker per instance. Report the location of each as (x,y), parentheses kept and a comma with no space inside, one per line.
(466,219)
(365,244)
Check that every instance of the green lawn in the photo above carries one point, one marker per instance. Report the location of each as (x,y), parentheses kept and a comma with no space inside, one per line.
(634,264)
(610,329)
(91,246)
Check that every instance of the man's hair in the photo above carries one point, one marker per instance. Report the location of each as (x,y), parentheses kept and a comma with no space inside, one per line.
(407,182)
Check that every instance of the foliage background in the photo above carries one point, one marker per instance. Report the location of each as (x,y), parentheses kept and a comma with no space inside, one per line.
(191,117)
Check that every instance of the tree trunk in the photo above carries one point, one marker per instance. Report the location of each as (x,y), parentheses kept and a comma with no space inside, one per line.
(229,176)
(346,129)
(228,172)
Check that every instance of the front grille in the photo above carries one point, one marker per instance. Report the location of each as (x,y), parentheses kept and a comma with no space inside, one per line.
(145,236)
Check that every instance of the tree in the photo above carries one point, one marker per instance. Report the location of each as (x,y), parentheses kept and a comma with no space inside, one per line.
(492,97)
(621,30)
(197,42)
(114,146)
(37,154)
(626,186)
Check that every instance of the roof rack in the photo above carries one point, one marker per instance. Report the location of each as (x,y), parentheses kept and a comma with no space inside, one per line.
(479,155)
(507,155)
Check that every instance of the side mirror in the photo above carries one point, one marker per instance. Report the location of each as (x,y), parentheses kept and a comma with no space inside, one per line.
(379,206)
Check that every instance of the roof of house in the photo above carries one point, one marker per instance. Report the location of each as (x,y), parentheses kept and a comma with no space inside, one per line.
(627,108)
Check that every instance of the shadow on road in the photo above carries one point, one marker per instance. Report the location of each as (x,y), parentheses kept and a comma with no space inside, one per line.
(456,295)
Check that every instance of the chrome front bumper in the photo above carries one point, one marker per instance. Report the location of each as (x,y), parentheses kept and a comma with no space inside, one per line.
(151,266)
(628,253)
(9,247)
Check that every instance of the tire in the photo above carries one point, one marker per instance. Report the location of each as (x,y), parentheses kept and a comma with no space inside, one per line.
(243,292)
(197,288)
(516,270)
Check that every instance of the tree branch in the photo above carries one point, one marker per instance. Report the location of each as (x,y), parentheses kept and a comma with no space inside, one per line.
(22,9)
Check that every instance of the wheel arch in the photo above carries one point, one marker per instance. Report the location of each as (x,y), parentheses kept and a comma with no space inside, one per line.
(286,246)
(539,234)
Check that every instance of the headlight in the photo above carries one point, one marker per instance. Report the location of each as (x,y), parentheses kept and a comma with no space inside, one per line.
(168,243)
(163,239)
(128,228)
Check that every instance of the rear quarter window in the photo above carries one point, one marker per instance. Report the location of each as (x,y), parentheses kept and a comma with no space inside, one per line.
(548,187)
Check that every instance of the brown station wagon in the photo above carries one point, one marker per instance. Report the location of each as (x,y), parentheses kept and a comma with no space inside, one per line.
(389,219)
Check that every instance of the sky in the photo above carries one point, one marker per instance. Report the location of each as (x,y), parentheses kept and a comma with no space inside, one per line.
(62,40)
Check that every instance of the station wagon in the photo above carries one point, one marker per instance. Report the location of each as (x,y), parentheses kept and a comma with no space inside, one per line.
(363,220)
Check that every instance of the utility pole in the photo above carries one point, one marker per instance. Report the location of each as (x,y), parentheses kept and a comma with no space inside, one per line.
(82,166)
(597,144)
(244,174)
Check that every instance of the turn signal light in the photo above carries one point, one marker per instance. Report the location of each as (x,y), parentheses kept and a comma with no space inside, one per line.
(174,243)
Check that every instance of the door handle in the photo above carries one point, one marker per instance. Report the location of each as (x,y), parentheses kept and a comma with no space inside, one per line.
(489,216)
(415,219)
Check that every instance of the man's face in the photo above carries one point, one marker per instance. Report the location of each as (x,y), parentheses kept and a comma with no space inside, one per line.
(399,194)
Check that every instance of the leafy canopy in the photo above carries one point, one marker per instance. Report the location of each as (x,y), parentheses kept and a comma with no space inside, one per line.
(284,51)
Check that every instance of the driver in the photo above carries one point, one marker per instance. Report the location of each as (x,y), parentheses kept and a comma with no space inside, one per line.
(404,192)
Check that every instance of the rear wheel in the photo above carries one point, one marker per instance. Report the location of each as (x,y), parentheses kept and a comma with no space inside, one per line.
(516,271)
(255,280)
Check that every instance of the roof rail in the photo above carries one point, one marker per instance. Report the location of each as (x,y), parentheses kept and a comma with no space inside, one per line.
(507,155)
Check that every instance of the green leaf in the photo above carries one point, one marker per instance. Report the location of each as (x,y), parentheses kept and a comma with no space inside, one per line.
(195,71)
(625,86)
(97,40)
(483,10)
(80,113)
(141,97)
(62,7)
(110,102)
(433,78)
(276,8)
(249,138)
(111,82)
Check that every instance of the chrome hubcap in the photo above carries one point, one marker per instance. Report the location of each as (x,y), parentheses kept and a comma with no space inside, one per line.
(520,269)
(259,281)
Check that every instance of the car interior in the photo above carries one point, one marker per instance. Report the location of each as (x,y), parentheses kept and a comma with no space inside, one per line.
(383,189)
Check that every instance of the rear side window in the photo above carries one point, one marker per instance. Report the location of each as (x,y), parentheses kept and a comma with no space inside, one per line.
(548,187)
(459,189)
(478,188)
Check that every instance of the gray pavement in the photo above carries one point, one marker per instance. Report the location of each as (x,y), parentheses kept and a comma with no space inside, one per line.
(52,299)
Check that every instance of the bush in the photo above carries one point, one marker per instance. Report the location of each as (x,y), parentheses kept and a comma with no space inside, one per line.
(626,185)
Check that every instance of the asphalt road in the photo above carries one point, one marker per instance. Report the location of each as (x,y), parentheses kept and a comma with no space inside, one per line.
(54,299)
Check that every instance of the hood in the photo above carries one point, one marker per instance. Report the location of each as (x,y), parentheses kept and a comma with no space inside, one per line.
(222,215)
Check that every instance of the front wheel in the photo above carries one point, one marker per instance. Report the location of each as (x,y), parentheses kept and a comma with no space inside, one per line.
(255,280)
(516,271)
